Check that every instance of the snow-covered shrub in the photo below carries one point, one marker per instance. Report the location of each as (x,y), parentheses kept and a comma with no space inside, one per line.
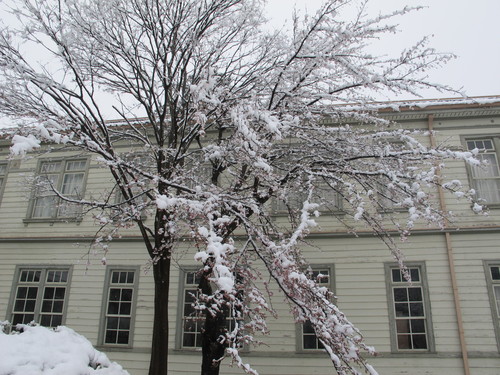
(35,350)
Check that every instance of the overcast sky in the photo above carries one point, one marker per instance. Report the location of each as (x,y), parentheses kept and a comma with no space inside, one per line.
(469,29)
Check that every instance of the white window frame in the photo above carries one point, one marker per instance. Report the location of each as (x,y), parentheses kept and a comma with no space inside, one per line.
(41,305)
(414,303)
(492,274)
(117,280)
(295,200)
(479,142)
(189,281)
(300,332)
(43,189)
(188,287)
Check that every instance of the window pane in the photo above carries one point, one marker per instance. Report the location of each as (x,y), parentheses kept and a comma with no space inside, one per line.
(45,206)
(495,272)
(417,326)
(49,293)
(419,342)
(110,337)
(400,294)
(57,307)
(123,337)
(308,327)
(416,309)
(404,342)
(396,275)
(114,294)
(189,340)
(113,308)
(76,165)
(310,342)
(415,275)
(403,326)
(126,294)
(112,323)
(415,294)
(48,167)
(125,308)
(124,323)
(46,307)
(402,309)
(22,292)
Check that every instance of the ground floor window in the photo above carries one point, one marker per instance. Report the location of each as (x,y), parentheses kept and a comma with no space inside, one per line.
(40,295)
(409,309)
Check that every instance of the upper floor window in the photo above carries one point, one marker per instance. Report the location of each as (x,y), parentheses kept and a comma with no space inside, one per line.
(409,310)
(486,178)
(64,176)
(119,306)
(492,269)
(324,195)
(324,277)
(40,295)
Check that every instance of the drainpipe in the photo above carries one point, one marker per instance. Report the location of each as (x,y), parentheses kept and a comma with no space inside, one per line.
(451,260)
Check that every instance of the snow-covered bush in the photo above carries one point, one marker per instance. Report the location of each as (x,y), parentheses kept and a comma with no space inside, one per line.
(35,350)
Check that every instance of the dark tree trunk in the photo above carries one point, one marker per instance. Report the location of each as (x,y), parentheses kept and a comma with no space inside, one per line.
(212,348)
(159,347)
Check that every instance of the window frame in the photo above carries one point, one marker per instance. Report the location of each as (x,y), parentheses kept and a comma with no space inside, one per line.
(41,287)
(301,197)
(179,339)
(3,178)
(30,218)
(391,307)
(179,332)
(494,306)
(299,327)
(495,138)
(104,305)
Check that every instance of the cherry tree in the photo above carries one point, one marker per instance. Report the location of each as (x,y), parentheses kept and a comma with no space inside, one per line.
(226,119)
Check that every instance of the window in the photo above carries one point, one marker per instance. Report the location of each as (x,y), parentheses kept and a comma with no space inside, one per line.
(192,320)
(3,177)
(119,305)
(492,270)
(409,310)
(65,176)
(40,295)
(323,194)
(309,341)
(485,179)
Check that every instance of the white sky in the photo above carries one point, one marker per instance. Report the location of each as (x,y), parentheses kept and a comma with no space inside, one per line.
(469,29)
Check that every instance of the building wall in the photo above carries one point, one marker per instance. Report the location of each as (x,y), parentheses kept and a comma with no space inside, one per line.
(358,264)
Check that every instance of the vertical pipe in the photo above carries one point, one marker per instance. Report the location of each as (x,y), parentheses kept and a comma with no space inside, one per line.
(451,260)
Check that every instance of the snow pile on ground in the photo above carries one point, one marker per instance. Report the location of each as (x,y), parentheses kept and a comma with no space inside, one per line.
(61,351)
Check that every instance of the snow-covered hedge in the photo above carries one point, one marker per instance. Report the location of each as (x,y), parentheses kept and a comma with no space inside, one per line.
(35,350)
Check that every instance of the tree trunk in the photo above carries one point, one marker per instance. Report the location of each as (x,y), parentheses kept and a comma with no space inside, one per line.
(211,346)
(159,346)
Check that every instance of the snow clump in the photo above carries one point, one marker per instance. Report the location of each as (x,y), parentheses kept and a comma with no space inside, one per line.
(31,350)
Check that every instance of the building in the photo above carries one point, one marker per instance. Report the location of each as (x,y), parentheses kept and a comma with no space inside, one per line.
(446,320)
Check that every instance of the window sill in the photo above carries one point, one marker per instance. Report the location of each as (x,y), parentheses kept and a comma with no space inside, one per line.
(51,221)
(114,348)
(322,213)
